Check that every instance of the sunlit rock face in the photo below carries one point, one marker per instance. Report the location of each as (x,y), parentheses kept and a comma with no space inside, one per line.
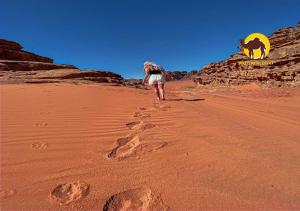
(284,69)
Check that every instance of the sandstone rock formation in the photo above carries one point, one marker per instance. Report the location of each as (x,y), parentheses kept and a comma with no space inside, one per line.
(17,66)
(283,71)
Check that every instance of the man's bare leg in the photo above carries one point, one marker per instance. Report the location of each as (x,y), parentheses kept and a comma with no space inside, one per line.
(156,91)
(161,88)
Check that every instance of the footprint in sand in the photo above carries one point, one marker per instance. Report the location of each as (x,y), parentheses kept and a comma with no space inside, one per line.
(126,147)
(131,146)
(39,146)
(7,193)
(140,125)
(133,125)
(164,108)
(140,114)
(135,199)
(42,124)
(69,192)
(147,109)
(159,107)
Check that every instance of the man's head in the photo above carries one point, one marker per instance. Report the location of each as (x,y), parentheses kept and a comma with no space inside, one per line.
(148,64)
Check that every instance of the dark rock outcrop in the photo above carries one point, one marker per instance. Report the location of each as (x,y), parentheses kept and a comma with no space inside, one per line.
(13,51)
(175,75)
(180,75)
(284,69)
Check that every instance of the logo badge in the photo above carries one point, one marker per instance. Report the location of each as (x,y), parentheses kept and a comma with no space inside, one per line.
(256,46)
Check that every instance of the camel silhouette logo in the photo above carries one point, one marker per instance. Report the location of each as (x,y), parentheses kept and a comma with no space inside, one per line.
(256,46)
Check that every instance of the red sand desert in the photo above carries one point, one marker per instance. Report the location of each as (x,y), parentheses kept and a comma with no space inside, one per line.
(96,147)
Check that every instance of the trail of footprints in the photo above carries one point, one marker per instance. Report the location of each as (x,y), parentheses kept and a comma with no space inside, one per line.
(41,124)
(130,146)
(133,199)
(40,145)
(4,194)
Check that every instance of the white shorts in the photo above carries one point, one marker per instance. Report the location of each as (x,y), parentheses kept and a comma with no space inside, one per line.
(156,79)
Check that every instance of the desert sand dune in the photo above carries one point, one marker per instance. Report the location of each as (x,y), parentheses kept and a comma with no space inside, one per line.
(94,147)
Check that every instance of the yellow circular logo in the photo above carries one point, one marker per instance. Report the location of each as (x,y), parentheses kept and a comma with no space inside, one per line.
(256,46)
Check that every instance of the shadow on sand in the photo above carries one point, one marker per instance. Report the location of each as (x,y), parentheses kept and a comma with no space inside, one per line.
(181,99)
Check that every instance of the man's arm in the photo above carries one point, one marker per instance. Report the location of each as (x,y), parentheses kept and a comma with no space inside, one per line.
(146,76)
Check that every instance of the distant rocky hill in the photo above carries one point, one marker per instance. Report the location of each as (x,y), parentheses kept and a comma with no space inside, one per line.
(284,71)
(18,66)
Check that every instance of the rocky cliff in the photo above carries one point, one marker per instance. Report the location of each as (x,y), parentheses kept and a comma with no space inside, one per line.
(283,70)
(18,66)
